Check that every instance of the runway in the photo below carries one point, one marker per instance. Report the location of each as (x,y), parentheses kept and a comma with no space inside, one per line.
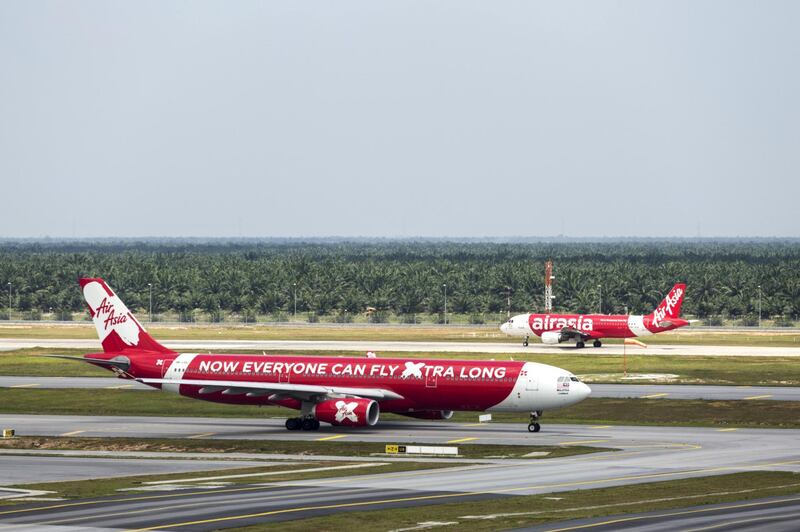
(213,509)
(777,514)
(645,454)
(32,469)
(640,391)
(511,347)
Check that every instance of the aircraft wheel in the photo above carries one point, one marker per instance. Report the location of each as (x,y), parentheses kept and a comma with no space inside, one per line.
(597,343)
(525,343)
(316,424)
(580,345)
(293,423)
(310,424)
(534,427)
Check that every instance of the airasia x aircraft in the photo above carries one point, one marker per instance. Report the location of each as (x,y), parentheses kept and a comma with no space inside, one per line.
(580,328)
(337,390)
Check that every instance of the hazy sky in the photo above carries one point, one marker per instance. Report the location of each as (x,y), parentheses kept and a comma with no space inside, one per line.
(399,118)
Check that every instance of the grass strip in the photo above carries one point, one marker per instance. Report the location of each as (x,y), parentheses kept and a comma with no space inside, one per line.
(605,411)
(287,447)
(504,513)
(739,371)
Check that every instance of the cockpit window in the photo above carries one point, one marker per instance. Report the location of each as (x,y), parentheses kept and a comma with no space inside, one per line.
(573,378)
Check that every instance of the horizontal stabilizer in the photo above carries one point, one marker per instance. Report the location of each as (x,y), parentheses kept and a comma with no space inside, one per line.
(122,363)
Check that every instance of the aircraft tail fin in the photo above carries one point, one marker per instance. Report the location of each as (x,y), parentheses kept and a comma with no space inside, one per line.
(118,329)
(670,307)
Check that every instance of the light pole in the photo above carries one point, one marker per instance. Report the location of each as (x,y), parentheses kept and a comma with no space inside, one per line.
(600,298)
(150,287)
(759,306)
(294,291)
(445,303)
(9,301)
(508,294)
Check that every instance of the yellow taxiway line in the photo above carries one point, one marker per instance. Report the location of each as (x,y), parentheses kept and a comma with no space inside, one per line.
(24,385)
(198,436)
(461,440)
(73,433)
(653,396)
(334,437)
(752,397)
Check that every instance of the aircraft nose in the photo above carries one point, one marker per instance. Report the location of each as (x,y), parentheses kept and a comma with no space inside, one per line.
(585,390)
(504,328)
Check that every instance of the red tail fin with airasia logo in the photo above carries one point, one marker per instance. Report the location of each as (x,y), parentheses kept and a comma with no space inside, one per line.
(670,307)
(118,329)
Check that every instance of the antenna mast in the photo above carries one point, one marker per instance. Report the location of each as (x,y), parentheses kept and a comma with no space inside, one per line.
(548,286)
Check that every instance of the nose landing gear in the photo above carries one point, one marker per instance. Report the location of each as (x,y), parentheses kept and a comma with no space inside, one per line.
(534,426)
(525,342)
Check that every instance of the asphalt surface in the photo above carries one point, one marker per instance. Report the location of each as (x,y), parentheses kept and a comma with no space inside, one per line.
(642,391)
(212,509)
(32,469)
(511,347)
(776,514)
(648,453)
(645,454)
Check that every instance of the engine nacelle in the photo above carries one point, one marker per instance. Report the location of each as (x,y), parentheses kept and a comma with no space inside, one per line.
(429,414)
(350,412)
(552,337)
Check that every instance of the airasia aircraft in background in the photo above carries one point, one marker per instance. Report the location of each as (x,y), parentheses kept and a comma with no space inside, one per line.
(337,390)
(580,328)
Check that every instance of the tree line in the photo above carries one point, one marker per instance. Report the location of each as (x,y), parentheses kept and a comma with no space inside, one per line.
(408,278)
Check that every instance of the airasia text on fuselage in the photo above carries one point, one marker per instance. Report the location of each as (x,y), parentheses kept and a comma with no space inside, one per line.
(548,323)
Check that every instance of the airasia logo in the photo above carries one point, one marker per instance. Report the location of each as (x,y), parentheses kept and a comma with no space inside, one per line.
(346,411)
(111,319)
(548,323)
(667,307)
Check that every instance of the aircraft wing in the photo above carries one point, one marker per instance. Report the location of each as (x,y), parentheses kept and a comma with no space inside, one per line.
(279,390)
(572,332)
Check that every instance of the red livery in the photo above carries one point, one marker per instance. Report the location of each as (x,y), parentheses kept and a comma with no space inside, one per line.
(558,328)
(342,391)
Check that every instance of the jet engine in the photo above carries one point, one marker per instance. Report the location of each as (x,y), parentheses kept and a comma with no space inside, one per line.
(353,412)
(552,337)
(429,414)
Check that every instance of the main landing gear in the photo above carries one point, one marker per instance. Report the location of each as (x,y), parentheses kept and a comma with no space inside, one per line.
(579,344)
(525,342)
(534,426)
(597,343)
(302,423)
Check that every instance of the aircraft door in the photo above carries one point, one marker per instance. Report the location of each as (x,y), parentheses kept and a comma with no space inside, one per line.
(532,382)
(431,381)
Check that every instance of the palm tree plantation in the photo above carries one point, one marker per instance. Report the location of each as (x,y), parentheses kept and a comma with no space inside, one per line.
(402,281)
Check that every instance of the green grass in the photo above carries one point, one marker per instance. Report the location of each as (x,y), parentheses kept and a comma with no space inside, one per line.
(86,489)
(287,447)
(427,333)
(533,510)
(777,371)
(777,414)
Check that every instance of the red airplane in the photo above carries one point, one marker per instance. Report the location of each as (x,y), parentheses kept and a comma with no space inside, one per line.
(580,328)
(337,390)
